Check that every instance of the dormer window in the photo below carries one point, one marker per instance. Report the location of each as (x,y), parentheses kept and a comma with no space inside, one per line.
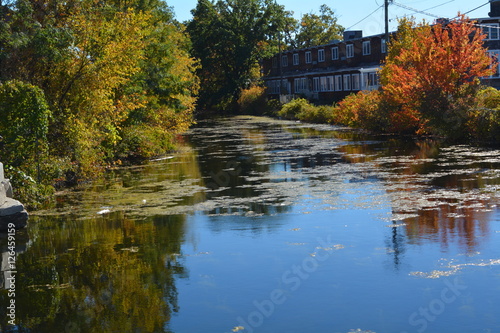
(335,53)
(284,61)
(349,50)
(321,55)
(308,57)
(367,48)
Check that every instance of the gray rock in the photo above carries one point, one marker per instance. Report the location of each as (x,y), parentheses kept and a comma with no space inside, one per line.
(12,212)
(10,206)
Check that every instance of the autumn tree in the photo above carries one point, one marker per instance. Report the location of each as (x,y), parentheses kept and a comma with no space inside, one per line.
(116,76)
(431,74)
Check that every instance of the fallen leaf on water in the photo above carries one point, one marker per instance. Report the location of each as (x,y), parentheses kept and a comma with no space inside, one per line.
(132,249)
(238,328)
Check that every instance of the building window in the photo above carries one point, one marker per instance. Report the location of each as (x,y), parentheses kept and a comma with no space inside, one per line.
(296,86)
(338,83)
(495,56)
(321,55)
(324,83)
(274,86)
(491,31)
(284,61)
(300,85)
(349,50)
(316,86)
(347,82)
(383,46)
(275,62)
(371,81)
(355,82)
(335,53)
(367,48)
(331,86)
(286,87)
(308,57)
(296,59)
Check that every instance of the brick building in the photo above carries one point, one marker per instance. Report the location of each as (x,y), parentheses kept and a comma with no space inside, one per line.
(328,73)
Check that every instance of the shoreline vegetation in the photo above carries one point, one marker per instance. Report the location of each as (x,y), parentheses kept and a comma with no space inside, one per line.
(89,85)
(429,86)
(86,85)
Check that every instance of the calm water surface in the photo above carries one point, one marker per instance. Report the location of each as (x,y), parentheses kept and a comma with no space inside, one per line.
(258,225)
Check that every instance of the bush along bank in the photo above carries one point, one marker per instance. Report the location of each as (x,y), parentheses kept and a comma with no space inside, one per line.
(478,122)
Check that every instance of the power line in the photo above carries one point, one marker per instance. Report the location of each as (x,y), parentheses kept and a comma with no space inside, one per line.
(415,10)
(365,17)
(421,12)
(440,5)
(475,8)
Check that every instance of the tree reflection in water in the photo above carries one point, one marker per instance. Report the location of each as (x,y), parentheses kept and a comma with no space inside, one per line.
(107,274)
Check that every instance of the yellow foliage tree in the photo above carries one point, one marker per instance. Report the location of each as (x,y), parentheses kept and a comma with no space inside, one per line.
(106,53)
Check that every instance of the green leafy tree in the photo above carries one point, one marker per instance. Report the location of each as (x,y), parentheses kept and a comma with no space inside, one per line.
(24,123)
(229,37)
(317,29)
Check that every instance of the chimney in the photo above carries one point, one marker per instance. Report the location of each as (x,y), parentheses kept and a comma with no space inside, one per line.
(494,8)
(354,34)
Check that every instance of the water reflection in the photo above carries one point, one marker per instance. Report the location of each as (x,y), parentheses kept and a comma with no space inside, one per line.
(10,249)
(253,195)
(108,274)
(442,194)
(231,161)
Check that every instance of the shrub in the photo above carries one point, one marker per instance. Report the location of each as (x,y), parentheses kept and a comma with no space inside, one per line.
(484,120)
(489,97)
(253,101)
(144,141)
(291,110)
(32,194)
(317,114)
(364,109)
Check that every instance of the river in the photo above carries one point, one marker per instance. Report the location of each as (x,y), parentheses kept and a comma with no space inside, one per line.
(262,225)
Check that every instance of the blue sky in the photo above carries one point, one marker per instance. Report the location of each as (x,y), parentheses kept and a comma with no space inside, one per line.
(350,13)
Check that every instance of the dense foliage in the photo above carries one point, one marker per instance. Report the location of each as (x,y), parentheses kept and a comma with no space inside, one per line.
(314,29)
(229,37)
(117,77)
(431,75)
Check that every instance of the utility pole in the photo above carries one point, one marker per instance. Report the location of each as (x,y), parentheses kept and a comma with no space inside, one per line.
(280,58)
(386,7)
(280,62)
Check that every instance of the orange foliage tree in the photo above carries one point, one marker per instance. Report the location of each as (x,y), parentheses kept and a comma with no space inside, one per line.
(431,75)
